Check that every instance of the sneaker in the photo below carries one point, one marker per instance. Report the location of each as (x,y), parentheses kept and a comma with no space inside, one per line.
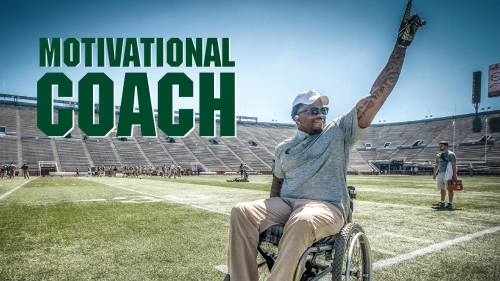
(449,206)
(438,204)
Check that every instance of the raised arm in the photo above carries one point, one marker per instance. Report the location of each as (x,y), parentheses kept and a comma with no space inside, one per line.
(368,106)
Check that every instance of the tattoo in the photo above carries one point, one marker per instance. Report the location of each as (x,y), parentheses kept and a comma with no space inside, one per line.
(276,187)
(368,106)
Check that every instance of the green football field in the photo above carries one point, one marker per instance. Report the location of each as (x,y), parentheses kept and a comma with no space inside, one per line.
(56,228)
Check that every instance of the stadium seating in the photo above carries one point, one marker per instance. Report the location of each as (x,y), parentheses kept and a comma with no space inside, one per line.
(102,153)
(130,153)
(36,149)
(72,154)
(254,144)
(9,148)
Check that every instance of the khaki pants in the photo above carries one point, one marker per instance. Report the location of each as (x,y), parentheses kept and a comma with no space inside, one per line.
(306,221)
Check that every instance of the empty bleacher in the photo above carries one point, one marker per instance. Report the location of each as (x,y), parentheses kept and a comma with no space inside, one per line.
(357,163)
(101,152)
(260,136)
(254,144)
(8,117)
(72,154)
(248,157)
(181,154)
(264,154)
(209,160)
(130,153)
(28,122)
(8,146)
(155,152)
(227,156)
(36,149)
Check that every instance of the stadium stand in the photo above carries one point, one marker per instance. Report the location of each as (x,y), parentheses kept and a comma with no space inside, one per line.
(253,161)
(156,152)
(102,152)
(9,148)
(72,154)
(130,153)
(260,136)
(263,154)
(357,163)
(208,158)
(36,149)
(227,156)
(182,155)
(413,142)
(28,118)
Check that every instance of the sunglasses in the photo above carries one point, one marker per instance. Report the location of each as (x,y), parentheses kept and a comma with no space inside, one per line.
(315,110)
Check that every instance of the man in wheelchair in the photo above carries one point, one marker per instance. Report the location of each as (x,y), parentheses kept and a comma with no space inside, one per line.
(309,194)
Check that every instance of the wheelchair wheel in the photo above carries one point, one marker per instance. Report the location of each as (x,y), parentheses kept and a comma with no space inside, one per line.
(268,253)
(352,258)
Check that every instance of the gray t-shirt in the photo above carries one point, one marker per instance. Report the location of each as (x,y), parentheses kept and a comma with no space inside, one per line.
(315,166)
(449,156)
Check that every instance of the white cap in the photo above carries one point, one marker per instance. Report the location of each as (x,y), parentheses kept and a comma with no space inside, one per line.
(309,97)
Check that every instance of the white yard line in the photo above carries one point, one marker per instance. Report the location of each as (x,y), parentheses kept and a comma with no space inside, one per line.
(432,248)
(12,190)
(166,198)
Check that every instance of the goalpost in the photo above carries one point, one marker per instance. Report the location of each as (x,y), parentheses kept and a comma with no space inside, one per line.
(45,167)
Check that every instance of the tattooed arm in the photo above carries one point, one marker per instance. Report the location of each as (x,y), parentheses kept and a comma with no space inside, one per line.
(368,106)
(276,187)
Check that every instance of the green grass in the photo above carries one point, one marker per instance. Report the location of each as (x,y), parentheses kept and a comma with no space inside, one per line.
(166,229)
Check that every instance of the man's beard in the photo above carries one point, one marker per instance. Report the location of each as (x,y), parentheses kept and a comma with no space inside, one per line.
(442,149)
(318,131)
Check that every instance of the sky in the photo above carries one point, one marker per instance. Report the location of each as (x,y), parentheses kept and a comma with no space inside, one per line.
(280,48)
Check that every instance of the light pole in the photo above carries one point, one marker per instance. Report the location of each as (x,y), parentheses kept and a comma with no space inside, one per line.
(382,120)
(485,139)
(453,148)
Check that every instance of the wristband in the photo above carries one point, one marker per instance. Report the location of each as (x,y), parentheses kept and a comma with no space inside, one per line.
(400,46)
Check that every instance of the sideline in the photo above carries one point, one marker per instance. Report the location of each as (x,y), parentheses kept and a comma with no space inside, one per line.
(167,198)
(12,190)
(433,248)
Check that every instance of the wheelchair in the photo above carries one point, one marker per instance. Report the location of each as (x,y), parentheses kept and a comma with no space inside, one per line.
(343,256)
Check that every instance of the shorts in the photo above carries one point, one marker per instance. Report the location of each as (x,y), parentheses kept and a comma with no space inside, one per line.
(442,184)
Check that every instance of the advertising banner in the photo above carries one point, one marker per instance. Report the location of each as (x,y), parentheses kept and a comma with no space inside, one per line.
(494,81)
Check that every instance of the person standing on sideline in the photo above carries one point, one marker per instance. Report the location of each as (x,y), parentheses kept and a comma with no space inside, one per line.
(26,171)
(273,166)
(442,160)
(12,170)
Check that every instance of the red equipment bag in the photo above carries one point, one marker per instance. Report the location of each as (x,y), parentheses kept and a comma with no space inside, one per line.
(455,185)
